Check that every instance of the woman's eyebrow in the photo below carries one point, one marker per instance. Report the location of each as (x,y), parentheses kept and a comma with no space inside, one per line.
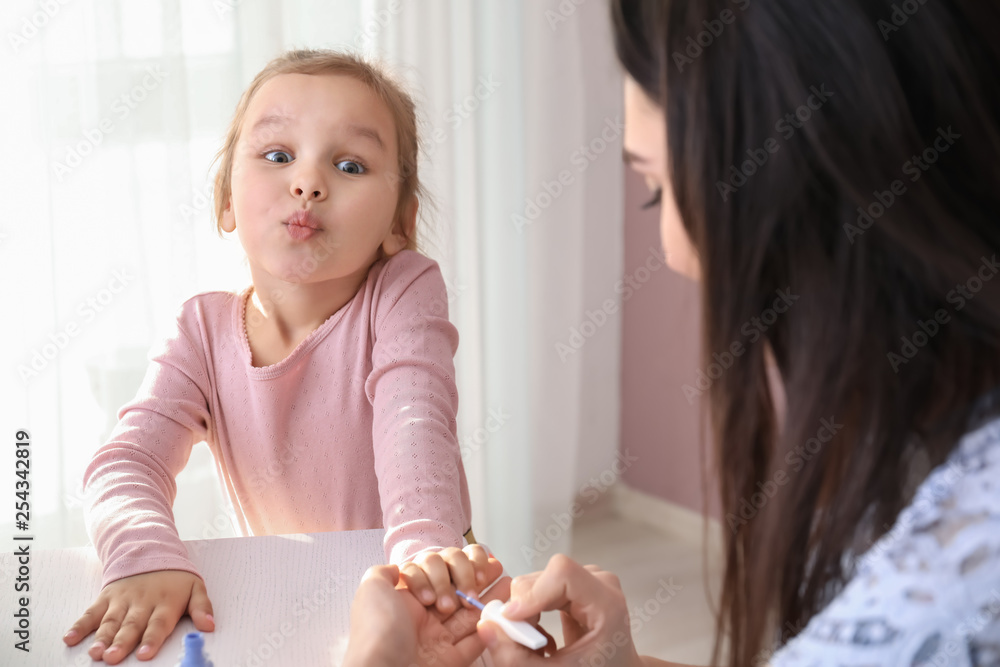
(630,158)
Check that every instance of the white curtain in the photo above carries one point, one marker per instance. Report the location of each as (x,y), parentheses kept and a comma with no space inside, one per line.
(114,111)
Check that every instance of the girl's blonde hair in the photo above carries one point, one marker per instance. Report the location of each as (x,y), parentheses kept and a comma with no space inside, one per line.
(315,61)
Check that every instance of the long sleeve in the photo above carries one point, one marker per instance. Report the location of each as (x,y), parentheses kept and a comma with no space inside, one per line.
(130,481)
(421,481)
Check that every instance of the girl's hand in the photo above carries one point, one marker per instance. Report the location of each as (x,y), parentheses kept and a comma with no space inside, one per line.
(431,575)
(594,617)
(142,607)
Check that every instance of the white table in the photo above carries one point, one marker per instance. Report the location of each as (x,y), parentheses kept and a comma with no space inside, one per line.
(278,600)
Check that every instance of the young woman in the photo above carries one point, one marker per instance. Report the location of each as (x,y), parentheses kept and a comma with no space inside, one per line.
(843,154)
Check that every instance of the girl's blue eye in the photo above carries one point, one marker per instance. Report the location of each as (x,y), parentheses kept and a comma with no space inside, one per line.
(288,158)
(350,167)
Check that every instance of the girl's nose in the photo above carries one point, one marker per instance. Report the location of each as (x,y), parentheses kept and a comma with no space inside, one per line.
(308,185)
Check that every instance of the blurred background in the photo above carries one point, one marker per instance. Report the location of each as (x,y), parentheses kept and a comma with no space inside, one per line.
(576,340)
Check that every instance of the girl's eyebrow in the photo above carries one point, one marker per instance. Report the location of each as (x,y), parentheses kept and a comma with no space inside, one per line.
(270,120)
(366,132)
(277,120)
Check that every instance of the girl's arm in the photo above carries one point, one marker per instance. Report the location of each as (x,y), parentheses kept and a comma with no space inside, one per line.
(129,484)
(422,485)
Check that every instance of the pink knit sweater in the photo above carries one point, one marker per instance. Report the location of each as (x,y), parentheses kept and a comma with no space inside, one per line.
(354,429)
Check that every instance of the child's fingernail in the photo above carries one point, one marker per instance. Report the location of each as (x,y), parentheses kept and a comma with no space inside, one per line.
(113,651)
(481,577)
(99,647)
(71,635)
(145,650)
(209,618)
(511,608)
(427,597)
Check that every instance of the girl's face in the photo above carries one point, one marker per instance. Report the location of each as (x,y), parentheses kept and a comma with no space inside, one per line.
(314,184)
(646,153)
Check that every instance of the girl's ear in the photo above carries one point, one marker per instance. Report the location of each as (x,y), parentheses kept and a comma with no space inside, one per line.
(229,218)
(402,230)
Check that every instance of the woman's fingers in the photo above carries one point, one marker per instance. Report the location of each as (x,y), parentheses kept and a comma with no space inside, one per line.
(587,596)
(387,573)
(499,591)
(594,613)
(504,650)
(470,647)
(461,624)
(571,628)
(563,581)
(89,621)
(521,585)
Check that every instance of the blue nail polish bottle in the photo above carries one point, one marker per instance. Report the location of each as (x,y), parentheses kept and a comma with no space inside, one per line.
(194,654)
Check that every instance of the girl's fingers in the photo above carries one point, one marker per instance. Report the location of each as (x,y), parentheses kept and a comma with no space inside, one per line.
(128,635)
(480,560)
(87,623)
(160,625)
(416,580)
(439,576)
(200,608)
(461,570)
(107,630)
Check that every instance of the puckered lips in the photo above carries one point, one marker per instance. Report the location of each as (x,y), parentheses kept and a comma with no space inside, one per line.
(302,225)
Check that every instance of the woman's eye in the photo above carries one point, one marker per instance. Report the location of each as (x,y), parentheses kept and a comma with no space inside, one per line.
(655,201)
(350,167)
(287,157)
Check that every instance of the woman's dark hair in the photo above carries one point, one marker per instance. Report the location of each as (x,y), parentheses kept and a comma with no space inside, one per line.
(843,154)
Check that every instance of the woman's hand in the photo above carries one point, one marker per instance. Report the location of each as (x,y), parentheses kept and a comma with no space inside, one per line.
(430,575)
(142,607)
(390,627)
(594,617)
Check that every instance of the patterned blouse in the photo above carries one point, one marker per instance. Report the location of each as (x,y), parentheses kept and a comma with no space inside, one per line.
(928,592)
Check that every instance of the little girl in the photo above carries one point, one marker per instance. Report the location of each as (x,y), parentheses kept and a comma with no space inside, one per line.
(325,390)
